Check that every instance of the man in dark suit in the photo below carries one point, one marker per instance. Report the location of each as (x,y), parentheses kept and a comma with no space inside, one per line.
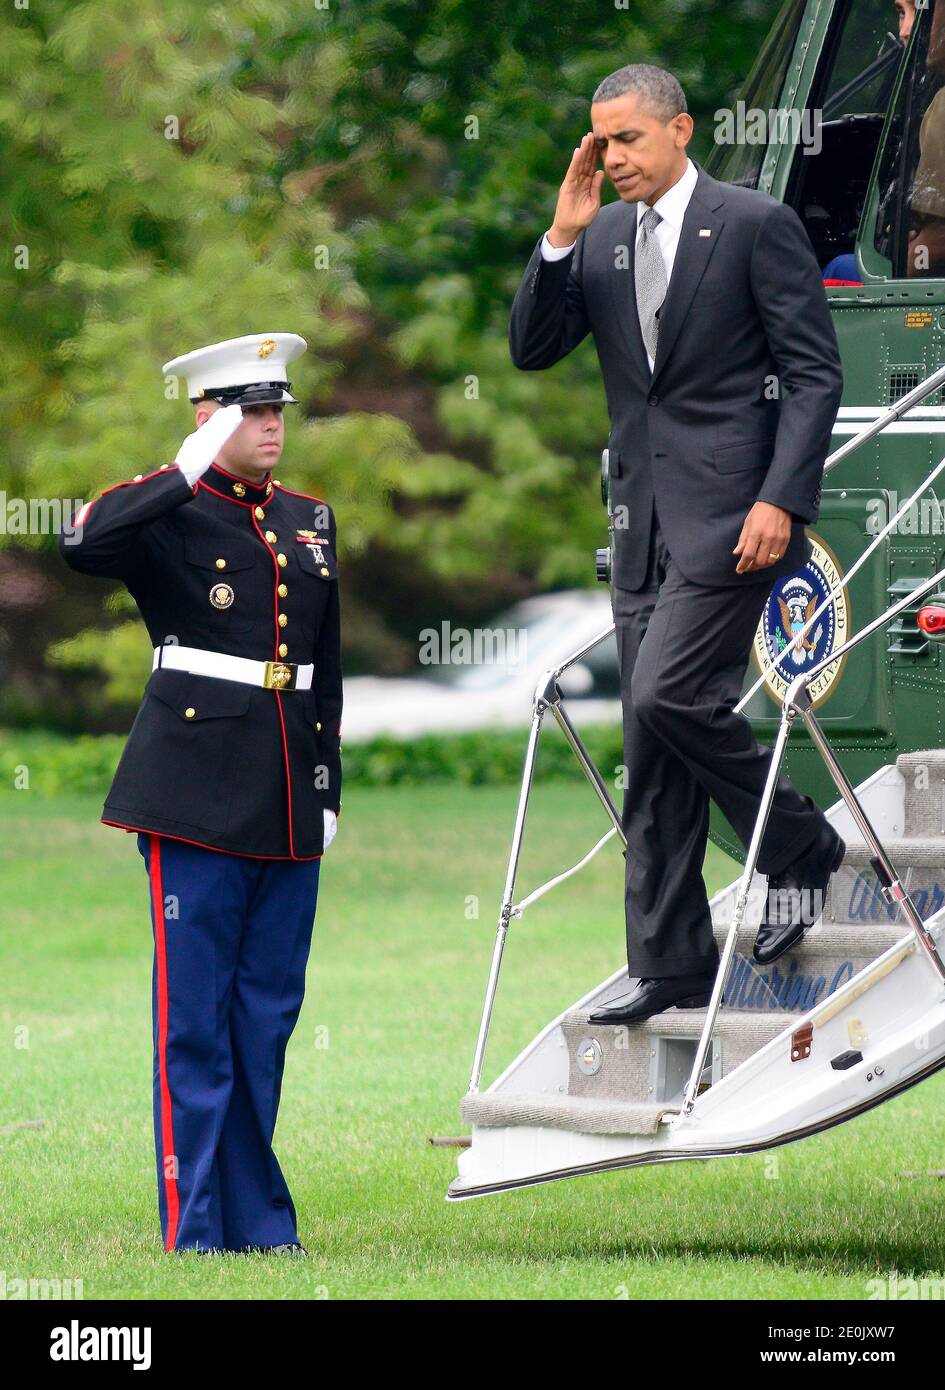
(723,379)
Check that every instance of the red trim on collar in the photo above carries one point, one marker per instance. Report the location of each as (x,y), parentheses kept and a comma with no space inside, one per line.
(259,494)
(238,501)
(237,479)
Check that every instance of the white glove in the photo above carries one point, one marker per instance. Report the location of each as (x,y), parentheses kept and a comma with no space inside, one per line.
(331,827)
(199,449)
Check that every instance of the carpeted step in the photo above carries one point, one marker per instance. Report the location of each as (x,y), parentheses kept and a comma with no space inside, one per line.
(906,851)
(923,777)
(639,1062)
(829,952)
(583,1115)
(856,920)
(853,896)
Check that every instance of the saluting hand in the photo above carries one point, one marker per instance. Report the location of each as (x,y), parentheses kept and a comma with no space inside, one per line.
(579,195)
(199,449)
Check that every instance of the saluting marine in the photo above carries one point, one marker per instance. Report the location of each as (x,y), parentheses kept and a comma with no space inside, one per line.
(231,777)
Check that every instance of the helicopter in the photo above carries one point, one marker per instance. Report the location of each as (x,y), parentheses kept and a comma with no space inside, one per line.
(844,120)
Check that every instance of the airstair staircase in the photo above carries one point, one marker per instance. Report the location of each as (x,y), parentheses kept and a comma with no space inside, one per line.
(593,1079)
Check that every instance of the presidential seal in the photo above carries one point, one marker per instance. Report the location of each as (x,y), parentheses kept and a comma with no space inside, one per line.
(221,595)
(793,601)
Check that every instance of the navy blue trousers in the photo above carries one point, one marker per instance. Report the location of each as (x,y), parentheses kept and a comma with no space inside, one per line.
(231,941)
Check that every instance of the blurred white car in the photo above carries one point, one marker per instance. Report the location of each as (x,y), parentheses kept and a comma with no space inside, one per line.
(485,678)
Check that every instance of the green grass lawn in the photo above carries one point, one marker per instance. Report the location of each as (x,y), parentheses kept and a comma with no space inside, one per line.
(395,987)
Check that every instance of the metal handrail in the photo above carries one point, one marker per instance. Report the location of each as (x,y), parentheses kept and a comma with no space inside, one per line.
(547,696)
(797,700)
(889,417)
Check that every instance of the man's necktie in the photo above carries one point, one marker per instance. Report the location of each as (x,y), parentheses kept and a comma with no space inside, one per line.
(650,274)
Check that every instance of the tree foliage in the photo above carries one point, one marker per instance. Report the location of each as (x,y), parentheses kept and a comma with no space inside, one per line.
(372,175)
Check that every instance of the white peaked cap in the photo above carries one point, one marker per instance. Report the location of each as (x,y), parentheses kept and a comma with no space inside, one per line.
(240,371)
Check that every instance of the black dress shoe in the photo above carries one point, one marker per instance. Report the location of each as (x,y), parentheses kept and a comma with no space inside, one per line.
(651,997)
(795,897)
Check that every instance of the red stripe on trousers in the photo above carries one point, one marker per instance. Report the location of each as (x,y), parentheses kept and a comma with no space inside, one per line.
(167,1126)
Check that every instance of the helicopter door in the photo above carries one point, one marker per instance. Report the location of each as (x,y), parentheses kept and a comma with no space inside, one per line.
(848,101)
(740,161)
(907,238)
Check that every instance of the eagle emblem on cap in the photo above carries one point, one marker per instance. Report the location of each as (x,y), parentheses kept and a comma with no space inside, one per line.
(266,347)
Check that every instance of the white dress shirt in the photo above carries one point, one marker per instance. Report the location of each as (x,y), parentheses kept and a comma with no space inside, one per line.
(671,208)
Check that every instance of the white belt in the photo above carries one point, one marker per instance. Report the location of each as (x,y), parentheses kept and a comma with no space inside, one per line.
(272,675)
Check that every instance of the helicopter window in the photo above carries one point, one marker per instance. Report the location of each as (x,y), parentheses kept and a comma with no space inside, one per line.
(910,225)
(831,170)
(740,161)
(857,85)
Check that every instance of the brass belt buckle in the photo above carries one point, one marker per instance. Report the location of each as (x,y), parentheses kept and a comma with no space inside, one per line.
(280,675)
